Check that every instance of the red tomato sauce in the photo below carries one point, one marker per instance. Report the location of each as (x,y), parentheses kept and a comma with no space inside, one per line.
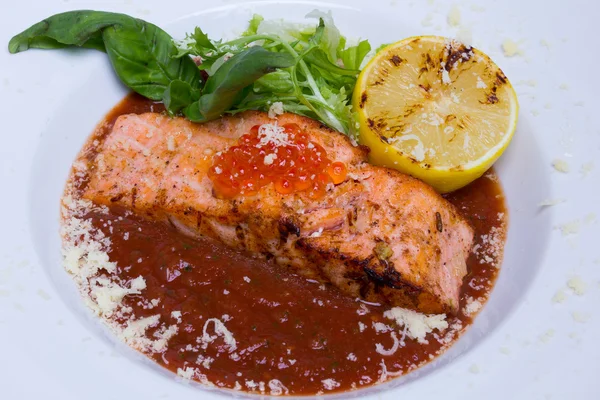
(302,334)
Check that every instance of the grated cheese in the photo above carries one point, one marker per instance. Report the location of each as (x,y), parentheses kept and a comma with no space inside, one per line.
(381,327)
(570,228)
(85,257)
(272,134)
(330,384)
(454,16)
(269,158)
(275,109)
(577,285)
(220,330)
(559,296)
(579,317)
(417,325)
(277,388)
(472,307)
(561,166)
(587,168)
(545,338)
(511,48)
(379,347)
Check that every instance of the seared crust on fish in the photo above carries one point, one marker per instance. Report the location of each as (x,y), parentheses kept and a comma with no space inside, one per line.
(379,235)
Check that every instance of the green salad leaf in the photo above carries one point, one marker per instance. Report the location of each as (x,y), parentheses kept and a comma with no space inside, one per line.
(239,72)
(310,70)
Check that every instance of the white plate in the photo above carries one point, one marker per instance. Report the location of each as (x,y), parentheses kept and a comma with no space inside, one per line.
(522,344)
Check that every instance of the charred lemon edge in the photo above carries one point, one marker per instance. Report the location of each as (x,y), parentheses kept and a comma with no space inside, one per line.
(443,179)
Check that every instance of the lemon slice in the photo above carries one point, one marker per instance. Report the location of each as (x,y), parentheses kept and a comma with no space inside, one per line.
(436,109)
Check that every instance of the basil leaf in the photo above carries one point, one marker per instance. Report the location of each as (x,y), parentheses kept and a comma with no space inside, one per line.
(223,89)
(142,55)
(192,112)
(72,28)
(353,57)
(275,82)
(179,94)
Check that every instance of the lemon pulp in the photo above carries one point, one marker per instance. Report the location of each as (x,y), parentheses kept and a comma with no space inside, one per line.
(435,109)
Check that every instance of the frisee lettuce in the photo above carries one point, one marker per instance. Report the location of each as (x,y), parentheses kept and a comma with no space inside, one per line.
(318,85)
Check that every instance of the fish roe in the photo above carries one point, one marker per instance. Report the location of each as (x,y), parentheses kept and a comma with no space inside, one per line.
(283,156)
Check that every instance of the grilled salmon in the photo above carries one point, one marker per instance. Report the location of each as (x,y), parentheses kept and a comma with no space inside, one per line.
(379,235)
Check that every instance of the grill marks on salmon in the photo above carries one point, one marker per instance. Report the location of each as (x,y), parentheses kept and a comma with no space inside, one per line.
(379,235)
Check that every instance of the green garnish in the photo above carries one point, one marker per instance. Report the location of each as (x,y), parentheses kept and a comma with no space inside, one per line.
(310,71)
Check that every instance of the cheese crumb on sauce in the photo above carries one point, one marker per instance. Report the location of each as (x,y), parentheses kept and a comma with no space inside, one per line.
(417,325)
(277,388)
(379,347)
(472,307)
(330,384)
(85,256)
(187,373)
(220,331)
(361,326)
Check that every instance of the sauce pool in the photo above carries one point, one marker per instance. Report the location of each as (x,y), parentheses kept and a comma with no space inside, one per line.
(299,336)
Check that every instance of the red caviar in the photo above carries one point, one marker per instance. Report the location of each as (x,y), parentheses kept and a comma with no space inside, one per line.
(283,156)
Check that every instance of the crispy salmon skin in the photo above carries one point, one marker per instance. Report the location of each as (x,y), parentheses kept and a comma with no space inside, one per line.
(379,235)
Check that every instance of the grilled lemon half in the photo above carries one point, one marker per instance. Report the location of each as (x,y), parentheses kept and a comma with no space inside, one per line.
(435,109)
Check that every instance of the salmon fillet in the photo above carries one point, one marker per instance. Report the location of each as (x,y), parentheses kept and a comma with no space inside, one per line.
(380,235)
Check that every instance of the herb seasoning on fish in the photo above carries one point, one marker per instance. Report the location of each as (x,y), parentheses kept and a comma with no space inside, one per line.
(225,318)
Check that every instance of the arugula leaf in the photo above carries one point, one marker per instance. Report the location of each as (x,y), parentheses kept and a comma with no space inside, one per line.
(330,38)
(202,39)
(225,87)
(141,53)
(319,58)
